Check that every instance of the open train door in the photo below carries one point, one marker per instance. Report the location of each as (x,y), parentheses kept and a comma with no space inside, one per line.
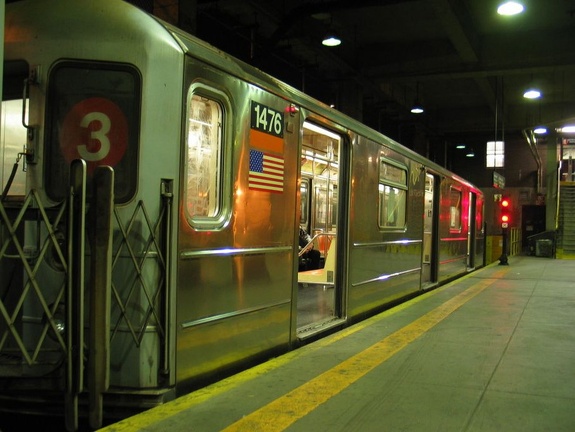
(322,218)
(429,268)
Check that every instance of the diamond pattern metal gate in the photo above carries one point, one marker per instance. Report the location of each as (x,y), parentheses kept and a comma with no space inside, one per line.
(42,272)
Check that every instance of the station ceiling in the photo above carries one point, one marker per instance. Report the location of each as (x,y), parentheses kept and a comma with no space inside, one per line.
(467,65)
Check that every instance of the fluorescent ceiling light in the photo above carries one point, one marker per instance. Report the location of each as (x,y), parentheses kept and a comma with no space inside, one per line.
(417,108)
(567,129)
(317,129)
(510,8)
(331,40)
(540,130)
(532,94)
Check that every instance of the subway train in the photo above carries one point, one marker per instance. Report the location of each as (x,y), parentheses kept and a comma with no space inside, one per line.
(154,190)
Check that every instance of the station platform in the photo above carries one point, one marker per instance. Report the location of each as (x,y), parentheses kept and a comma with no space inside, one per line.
(492,351)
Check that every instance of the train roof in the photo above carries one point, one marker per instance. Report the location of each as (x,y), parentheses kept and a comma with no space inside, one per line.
(110,30)
(71,24)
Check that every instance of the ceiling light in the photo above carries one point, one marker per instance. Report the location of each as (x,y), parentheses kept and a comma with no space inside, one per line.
(540,130)
(331,39)
(567,129)
(532,94)
(470,153)
(510,8)
(417,108)
(460,146)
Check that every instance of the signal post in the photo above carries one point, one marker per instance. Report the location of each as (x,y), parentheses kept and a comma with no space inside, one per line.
(504,218)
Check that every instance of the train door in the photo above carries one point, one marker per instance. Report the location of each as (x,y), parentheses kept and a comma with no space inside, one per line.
(471,231)
(429,254)
(319,297)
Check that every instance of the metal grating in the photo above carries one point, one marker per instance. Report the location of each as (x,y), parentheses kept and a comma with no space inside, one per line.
(139,274)
(30,303)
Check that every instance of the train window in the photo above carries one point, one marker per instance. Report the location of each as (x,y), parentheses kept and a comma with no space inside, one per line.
(392,195)
(93,114)
(455,209)
(205,157)
(13,133)
(304,202)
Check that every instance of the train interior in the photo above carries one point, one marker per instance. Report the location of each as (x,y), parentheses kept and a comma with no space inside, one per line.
(318,290)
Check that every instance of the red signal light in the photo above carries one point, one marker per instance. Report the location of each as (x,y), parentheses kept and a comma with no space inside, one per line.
(505,206)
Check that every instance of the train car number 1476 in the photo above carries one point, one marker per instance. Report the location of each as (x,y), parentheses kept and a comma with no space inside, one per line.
(266,119)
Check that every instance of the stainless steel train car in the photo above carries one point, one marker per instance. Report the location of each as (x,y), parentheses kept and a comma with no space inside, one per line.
(153,191)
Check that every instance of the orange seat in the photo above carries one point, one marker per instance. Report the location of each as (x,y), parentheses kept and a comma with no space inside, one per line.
(326,275)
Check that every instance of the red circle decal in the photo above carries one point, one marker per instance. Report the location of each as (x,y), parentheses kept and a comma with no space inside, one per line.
(95,130)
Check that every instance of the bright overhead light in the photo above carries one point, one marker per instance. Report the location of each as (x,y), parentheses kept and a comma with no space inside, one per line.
(331,40)
(510,8)
(460,146)
(417,109)
(470,153)
(567,129)
(540,130)
(532,94)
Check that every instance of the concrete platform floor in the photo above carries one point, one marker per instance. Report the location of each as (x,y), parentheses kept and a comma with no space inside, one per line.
(493,351)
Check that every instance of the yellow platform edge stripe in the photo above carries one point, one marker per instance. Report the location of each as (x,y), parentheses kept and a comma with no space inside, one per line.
(268,417)
(286,410)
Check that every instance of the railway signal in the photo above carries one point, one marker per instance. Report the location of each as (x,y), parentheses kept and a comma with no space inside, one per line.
(505,209)
(505,219)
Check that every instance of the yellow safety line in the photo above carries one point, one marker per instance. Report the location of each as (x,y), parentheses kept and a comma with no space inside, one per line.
(156,415)
(284,411)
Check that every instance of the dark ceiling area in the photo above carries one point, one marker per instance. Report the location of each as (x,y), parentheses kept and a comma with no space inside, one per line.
(467,65)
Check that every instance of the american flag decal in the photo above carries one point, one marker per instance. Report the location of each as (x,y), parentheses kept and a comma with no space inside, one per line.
(266,172)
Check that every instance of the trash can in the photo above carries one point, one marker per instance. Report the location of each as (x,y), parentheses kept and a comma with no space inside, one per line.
(544,248)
